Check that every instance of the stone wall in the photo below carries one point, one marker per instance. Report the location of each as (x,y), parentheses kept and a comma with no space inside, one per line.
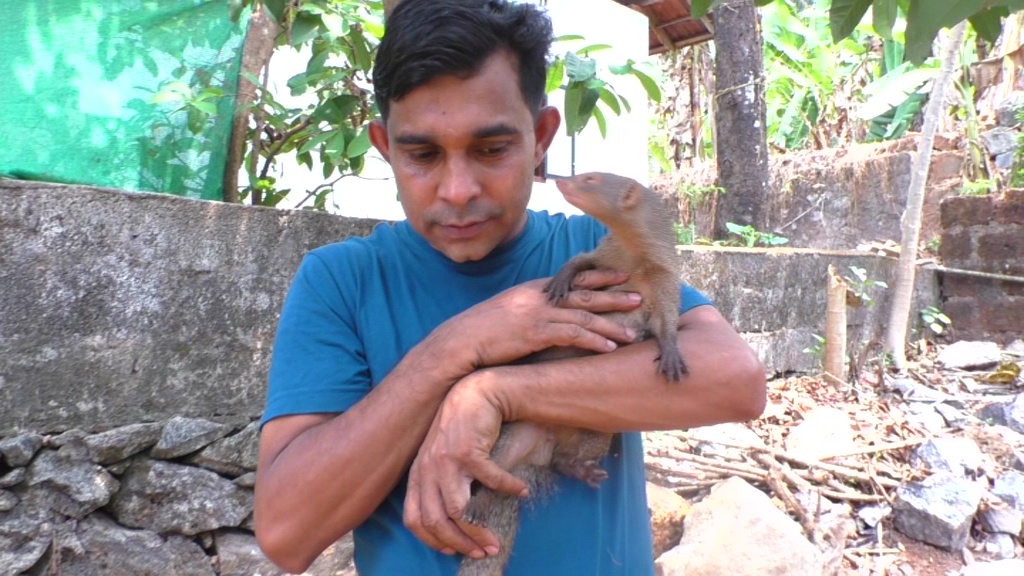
(150,499)
(984,234)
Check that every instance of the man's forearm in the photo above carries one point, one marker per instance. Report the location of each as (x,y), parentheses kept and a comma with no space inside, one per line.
(621,391)
(330,477)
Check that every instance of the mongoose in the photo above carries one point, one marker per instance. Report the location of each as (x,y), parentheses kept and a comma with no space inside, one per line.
(640,242)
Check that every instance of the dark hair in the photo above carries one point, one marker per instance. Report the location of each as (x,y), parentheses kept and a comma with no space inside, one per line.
(426,39)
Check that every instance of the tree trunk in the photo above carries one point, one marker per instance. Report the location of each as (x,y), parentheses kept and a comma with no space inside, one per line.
(903,291)
(739,109)
(256,53)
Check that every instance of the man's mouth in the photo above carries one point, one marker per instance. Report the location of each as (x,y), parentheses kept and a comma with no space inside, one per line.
(462,230)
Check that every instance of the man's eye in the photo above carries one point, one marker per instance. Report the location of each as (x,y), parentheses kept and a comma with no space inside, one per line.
(422,155)
(494,150)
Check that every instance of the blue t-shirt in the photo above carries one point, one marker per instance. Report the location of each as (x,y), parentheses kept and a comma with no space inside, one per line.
(356,307)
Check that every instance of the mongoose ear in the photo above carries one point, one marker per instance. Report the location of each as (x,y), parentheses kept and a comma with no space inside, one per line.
(631,196)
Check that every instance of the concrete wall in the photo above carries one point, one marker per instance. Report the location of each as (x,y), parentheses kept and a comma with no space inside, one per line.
(985,234)
(121,307)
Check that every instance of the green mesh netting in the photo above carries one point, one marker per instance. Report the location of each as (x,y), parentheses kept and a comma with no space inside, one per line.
(77,78)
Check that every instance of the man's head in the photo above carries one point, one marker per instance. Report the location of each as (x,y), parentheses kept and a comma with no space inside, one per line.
(460,85)
(430,38)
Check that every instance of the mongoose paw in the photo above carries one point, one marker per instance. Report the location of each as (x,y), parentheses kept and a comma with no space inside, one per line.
(588,471)
(558,289)
(671,364)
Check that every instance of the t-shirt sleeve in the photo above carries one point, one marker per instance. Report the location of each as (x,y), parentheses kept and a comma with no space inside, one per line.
(318,364)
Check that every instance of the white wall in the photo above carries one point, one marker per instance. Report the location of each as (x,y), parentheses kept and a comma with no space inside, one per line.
(624,151)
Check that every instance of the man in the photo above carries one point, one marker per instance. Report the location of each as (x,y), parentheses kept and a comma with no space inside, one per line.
(390,375)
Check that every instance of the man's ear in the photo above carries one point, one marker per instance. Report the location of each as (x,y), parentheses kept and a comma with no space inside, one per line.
(544,129)
(379,139)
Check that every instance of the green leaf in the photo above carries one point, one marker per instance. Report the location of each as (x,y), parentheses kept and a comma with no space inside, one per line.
(579,105)
(700,8)
(305,27)
(335,147)
(360,52)
(359,145)
(883,15)
(650,86)
(893,89)
(579,69)
(593,48)
(165,96)
(845,15)
(276,9)
(556,74)
(568,37)
(610,99)
(925,19)
(601,126)
(196,120)
(335,25)
(314,142)
(204,106)
(989,23)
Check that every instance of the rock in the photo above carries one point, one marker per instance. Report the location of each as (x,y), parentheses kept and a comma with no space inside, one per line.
(73,435)
(240,556)
(999,140)
(872,514)
(961,456)
(968,354)
(13,478)
(737,530)
(912,391)
(168,497)
(954,418)
(999,517)
(668,510)
(8,500)
(1005,160)
(925,416)
(1001,546)
(1014,414)
(234,455)
(68,484)
(182,436)
(117,444)
(118,468)
(938,510)
(1009,108)
(824,431)
(247,480)
(19,450)
(1016,348)
(1009,487)
(998,568)
(25,535)
(993,413)
(730,433)
(99,546)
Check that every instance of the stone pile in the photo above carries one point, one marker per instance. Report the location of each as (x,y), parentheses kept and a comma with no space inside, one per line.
(159,498)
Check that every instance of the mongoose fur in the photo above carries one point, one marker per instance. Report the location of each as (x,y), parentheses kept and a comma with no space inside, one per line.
(640,242)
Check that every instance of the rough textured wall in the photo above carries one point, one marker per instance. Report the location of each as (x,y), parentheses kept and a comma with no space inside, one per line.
(985,234)
(120,307)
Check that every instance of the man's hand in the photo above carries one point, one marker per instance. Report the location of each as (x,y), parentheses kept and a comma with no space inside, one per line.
(457,450)
(521,320)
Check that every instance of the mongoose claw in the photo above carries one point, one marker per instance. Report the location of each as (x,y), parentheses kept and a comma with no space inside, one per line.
(558,289)
(588,471)
(671,364)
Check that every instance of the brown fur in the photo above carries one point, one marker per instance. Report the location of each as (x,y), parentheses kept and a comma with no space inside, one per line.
(640,242)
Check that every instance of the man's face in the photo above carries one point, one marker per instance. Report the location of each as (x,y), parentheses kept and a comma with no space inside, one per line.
(463,151)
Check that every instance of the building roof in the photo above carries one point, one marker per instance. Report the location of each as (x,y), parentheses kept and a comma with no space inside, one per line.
(671,25)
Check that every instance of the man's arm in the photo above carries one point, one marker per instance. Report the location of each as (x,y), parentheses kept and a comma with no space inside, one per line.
(321,475)
(612,392)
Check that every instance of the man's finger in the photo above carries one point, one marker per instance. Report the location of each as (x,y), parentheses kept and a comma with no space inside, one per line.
(443,529)
(498,479)
(598,278)
(602,301)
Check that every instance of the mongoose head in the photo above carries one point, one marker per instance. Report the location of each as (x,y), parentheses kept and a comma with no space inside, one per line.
(602,195)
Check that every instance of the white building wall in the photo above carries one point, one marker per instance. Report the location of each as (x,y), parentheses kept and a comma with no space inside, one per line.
(373,194)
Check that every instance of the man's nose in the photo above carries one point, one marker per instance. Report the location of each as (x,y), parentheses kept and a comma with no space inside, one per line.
(460,183)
